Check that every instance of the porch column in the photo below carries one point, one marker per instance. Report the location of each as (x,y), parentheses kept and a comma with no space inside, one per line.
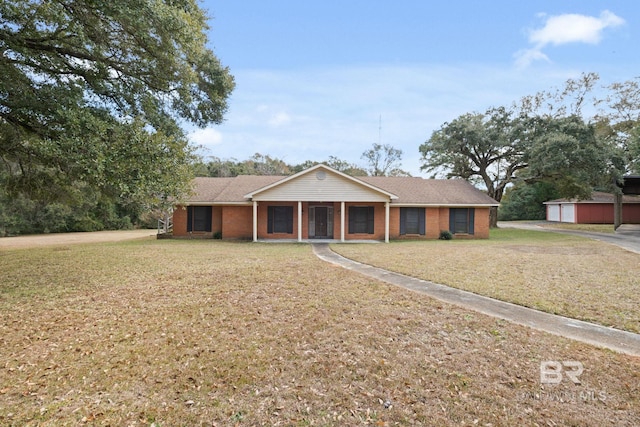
(342,215)
(299,221)
(386,222)
(255,221)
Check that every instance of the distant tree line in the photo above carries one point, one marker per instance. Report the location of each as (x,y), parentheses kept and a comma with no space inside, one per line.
(381,160)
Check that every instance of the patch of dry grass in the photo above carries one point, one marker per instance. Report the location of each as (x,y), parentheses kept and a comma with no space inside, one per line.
(561,274)
(595,228)
(210,333)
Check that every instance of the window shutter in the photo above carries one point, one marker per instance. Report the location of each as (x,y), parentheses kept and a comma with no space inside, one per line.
(270,219)
(289,212)
(471,219)
(452,220)
(370,222)
(403,221)
(189,218)
(209,210)
(352,220)
(421,221)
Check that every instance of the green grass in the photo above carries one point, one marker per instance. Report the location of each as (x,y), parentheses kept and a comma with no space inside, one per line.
(215,333)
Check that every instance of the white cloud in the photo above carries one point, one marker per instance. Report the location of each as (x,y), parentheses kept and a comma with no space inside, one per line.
(206,137)
(564,29)
(279,119)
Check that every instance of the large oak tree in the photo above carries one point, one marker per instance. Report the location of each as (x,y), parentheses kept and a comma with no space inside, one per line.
(96,91)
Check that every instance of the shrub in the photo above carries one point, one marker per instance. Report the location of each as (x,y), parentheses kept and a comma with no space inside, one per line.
(445,235)
(217,235)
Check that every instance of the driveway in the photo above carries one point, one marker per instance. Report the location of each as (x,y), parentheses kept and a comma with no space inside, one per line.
(627,236)
(39,240)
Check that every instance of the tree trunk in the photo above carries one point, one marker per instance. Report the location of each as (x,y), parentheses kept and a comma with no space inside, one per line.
(493,217)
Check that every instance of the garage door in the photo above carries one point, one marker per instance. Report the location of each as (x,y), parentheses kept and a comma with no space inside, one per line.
(553,212)
(568,213)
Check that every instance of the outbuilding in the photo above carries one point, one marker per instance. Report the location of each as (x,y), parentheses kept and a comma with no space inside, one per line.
(599,209)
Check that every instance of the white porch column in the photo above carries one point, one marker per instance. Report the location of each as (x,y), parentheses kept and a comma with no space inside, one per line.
(342,215)
(255,221)
(386,222)
(299,221)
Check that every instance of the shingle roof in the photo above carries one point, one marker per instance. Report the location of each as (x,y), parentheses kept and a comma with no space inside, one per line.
(414,190)
(410,190)
(597,197)
(227,190)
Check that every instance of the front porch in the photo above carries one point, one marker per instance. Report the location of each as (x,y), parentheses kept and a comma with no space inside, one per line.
(320,221)
(315,241)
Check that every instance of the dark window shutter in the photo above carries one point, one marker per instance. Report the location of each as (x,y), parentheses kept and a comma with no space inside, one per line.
(270,219)
(403,221)
(209,210)
(421,222)
(452,220)
(289,219)
(189,218)
(370,222)
(471,220)
(352,219)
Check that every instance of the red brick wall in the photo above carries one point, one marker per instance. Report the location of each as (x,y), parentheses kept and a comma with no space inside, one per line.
(237,222)
(378,223)
(443,220)
(180,221)
(263,215)
(180,217)
(437,220)
(394,223)
(216,225)
(481,223)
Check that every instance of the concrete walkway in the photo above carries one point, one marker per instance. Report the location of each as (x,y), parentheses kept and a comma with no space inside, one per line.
(600,336)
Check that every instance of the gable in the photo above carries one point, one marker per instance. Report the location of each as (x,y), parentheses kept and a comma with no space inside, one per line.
(321,184)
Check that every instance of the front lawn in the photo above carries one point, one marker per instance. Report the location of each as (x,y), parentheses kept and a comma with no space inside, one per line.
(167,333)
(557,273)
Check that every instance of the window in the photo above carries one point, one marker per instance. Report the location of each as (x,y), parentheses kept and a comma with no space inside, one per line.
(461,220)
(199,218)
(412,221)
(280,219)
(360,219)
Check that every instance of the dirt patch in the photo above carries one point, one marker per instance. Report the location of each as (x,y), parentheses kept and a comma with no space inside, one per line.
(61,239)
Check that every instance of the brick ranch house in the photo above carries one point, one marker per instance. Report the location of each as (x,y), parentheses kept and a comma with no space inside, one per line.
(323,203)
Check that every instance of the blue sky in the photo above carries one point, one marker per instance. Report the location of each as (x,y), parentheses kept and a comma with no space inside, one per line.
(319,79)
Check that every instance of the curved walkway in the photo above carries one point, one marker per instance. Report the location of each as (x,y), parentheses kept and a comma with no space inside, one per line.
(600,336)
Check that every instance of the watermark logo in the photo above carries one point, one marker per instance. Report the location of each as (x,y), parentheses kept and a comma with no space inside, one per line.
(553,371)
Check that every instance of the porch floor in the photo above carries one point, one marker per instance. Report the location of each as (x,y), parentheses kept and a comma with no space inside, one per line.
(316,241)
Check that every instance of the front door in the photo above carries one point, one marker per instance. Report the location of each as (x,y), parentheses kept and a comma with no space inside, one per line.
(321,222)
